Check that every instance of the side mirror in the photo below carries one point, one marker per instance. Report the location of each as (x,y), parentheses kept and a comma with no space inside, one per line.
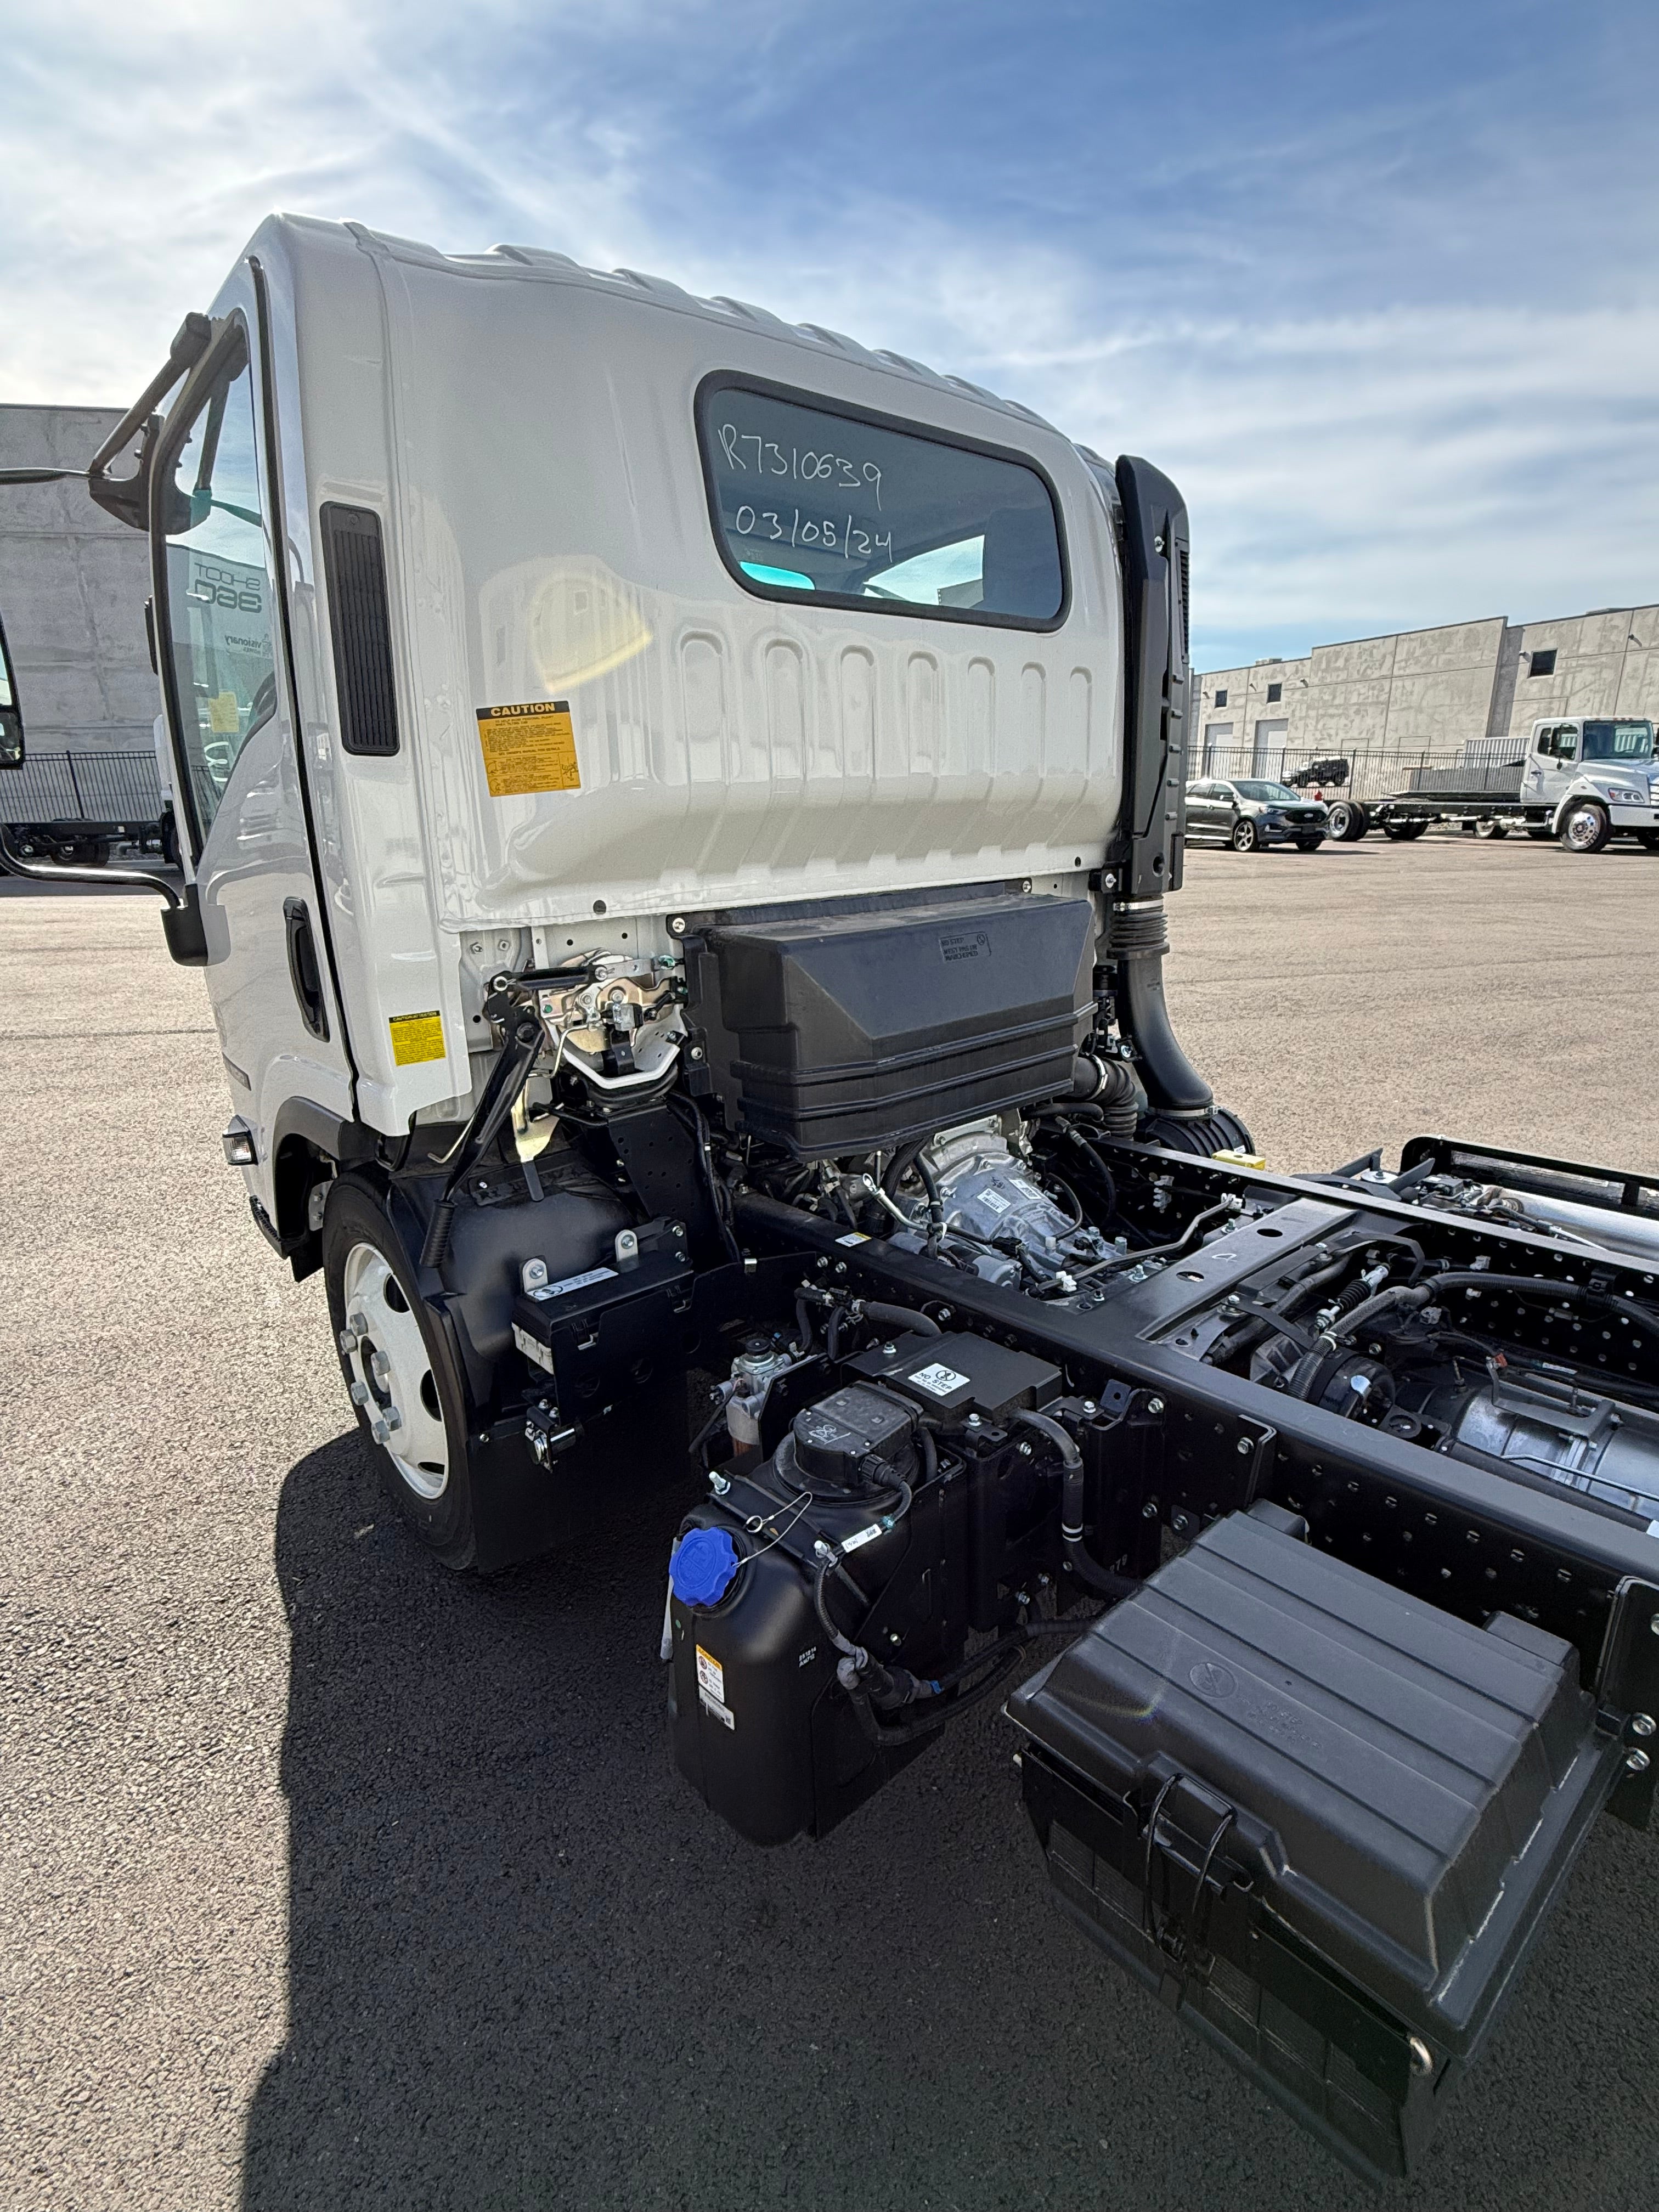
(11,738)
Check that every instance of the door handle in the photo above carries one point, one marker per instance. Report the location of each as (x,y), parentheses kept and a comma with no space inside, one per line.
(303,970)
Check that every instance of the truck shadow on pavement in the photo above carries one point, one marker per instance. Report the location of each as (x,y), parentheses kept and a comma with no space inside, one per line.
(527,1968)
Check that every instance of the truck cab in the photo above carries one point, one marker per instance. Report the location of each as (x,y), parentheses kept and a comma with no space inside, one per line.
(1587,779)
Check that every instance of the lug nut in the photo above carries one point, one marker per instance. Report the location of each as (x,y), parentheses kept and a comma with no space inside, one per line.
(359,1393)
(348,1340)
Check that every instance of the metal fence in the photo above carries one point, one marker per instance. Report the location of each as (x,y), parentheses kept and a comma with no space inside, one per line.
(124,787)
(1491,764)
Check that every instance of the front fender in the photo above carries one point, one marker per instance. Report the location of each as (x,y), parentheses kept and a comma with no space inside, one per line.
(1583,786)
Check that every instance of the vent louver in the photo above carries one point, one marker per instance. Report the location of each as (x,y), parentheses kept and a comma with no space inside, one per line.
(354,568)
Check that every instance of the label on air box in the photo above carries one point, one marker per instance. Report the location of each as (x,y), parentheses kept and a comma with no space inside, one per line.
(938,1379)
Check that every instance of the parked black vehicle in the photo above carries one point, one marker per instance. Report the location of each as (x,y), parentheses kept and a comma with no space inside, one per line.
(1253,812)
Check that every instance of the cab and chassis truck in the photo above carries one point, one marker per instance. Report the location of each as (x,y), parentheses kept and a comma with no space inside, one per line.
(1582,781)
(677,851)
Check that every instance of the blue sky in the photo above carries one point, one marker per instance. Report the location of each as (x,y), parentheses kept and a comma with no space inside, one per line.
(1376,285)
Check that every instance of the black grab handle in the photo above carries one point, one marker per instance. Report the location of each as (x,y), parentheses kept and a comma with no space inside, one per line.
(302,968)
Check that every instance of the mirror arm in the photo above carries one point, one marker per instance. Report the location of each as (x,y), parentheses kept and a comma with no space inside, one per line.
(127,498)
(57,872)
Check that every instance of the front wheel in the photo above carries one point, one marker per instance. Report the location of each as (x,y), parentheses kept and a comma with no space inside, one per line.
(1585,827)
(1245,838)
(1489,827)
(1348,821)
(1309,844)
(402,1376)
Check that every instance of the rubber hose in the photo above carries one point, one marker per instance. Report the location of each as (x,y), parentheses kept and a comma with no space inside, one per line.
(1136,941)
(901,1317)
(1086,1569)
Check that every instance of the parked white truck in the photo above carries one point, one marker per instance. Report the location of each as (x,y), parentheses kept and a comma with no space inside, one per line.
(1582,781)
(678,810)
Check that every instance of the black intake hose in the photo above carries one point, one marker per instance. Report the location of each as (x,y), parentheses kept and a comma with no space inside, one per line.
(1087,1569)
(1136,942)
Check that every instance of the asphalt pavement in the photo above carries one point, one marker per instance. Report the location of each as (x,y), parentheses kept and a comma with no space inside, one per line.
(328,1879)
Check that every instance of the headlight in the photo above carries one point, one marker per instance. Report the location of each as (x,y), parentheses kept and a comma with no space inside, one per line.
(1622,795)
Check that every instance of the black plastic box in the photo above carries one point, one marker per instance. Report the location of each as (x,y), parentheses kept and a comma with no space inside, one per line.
(1322,1818)
(836,1033)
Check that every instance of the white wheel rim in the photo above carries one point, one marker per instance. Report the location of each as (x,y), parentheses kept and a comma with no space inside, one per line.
(1582,827)
(390,1372)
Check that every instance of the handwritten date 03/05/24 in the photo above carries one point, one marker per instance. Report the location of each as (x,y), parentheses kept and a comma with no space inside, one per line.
(834,534)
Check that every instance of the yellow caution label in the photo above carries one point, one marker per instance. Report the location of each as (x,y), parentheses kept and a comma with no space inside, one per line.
(528,748)
(416,1038)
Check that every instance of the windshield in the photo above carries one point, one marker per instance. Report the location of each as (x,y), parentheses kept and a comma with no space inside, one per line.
(1619,741)
(1275,794)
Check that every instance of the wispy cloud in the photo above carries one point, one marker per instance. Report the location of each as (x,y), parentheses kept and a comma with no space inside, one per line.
(1375,285)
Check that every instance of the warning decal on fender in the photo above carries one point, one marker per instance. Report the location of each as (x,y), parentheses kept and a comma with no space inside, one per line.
(416,1038)
(531,748)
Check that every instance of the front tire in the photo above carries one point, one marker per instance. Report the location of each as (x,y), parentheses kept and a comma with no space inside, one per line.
(1585,827)
(1348,821)
(1309,844)
(402,1376)
(1245,838)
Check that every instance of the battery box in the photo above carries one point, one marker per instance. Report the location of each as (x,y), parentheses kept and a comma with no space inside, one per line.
(1323,1820)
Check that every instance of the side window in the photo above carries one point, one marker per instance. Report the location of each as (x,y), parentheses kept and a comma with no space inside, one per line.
(1566,741)
(856,511)
(218,625)
(1544,744)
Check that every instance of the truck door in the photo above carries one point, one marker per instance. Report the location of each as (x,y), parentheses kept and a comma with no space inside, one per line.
(1557,763)
(228,696)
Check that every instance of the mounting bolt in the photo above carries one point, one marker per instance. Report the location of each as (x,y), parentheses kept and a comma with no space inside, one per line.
(1245,1448)
(1149,1510)
(1155,1405)
(1422,2056)
(695,1053)
(677,925)
(1638,1762)
(1641,1723)
(1089,1407)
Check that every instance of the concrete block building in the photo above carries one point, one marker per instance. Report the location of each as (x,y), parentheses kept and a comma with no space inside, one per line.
(1468,685)
(73,583)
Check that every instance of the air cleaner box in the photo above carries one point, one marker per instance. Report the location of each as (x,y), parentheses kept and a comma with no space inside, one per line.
(845,1030)
(1323,1819)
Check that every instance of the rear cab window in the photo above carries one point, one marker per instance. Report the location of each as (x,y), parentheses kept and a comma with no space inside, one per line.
(808,498)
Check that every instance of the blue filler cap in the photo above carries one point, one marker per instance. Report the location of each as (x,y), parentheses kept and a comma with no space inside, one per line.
(704,1566)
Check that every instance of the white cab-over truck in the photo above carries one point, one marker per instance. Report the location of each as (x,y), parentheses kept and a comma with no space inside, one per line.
(677,813)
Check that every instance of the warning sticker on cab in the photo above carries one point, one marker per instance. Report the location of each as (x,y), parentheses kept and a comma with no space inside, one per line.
(416,1038)
(531,748)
